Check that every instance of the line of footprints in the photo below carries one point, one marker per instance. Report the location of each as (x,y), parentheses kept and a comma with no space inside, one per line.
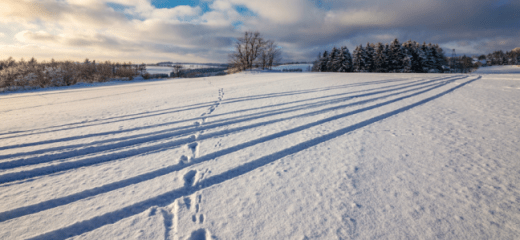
(183,219)
(194,147)
(186,211)
(212,108)
(220,97)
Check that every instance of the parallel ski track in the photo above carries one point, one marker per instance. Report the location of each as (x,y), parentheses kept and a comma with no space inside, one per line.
(54,161)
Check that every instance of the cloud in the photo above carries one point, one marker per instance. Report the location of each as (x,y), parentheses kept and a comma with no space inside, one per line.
(173,13)
(40,36)
(137,29)
(94,26)
(504,43)
(357,22)
(15,9)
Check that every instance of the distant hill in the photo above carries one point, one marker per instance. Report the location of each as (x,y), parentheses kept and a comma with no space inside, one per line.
(194,64)
(165,63)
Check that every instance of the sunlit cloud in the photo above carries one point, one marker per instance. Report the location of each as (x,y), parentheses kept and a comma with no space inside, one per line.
(137,30)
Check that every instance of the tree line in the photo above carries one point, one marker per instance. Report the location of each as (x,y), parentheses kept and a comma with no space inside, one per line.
(500,58)
(409,57)
(253,51)
(22,74)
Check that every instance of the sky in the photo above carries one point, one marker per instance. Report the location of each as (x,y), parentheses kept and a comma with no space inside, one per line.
(204,31)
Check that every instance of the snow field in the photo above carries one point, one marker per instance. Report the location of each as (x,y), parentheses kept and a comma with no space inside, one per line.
(168,70)
(506,69)
(303,67)
(264,156)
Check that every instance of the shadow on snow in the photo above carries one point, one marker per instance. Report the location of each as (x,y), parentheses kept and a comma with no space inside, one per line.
(164,199)
(9,177)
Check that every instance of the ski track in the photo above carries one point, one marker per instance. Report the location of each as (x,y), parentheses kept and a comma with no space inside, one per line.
(201,140)
(117,155)
(27,161)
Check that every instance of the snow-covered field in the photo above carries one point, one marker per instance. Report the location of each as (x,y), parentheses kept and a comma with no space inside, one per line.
(168,70)
(507,69)
(303,67)
(159,70)
(265,156)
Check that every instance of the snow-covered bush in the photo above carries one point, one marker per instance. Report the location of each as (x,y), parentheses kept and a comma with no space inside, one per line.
(31,74)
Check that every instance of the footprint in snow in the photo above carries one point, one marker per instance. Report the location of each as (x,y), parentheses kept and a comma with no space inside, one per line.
(185,159)
(187,202)
(194,147)
(197,209)
(201,234)
(348,231)
(190,178)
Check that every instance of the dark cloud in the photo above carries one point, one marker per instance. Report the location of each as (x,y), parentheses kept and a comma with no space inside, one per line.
(437,21)
(499,43)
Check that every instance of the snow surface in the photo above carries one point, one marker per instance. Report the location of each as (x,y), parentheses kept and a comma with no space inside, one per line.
(168,70)
(159,70)
(303,67)
(265,156)
(506,69)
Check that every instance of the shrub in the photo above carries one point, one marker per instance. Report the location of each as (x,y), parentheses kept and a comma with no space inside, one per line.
(32,74)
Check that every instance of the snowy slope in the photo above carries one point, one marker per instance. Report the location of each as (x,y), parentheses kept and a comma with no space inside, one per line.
(265,156)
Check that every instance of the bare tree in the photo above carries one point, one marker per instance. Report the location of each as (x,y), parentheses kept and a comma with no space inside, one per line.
(178,69)
(248,49)
(142,68)
(272,53)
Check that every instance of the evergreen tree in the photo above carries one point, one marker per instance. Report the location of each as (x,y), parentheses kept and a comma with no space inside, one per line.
(433,59)
(417,59)
(358,59)
(396,56)
(426,56)
(441,57)
(323,61)
(387,57)
(408,52)
(368,56)
(345,60)
(380,58)
(489,60)
(333,61)
(500,57)
(514,58)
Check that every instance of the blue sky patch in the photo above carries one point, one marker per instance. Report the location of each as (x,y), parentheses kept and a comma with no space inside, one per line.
(117,7)
(244,11)
(175,3)
(121,8)
(237,24)
(204,5)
